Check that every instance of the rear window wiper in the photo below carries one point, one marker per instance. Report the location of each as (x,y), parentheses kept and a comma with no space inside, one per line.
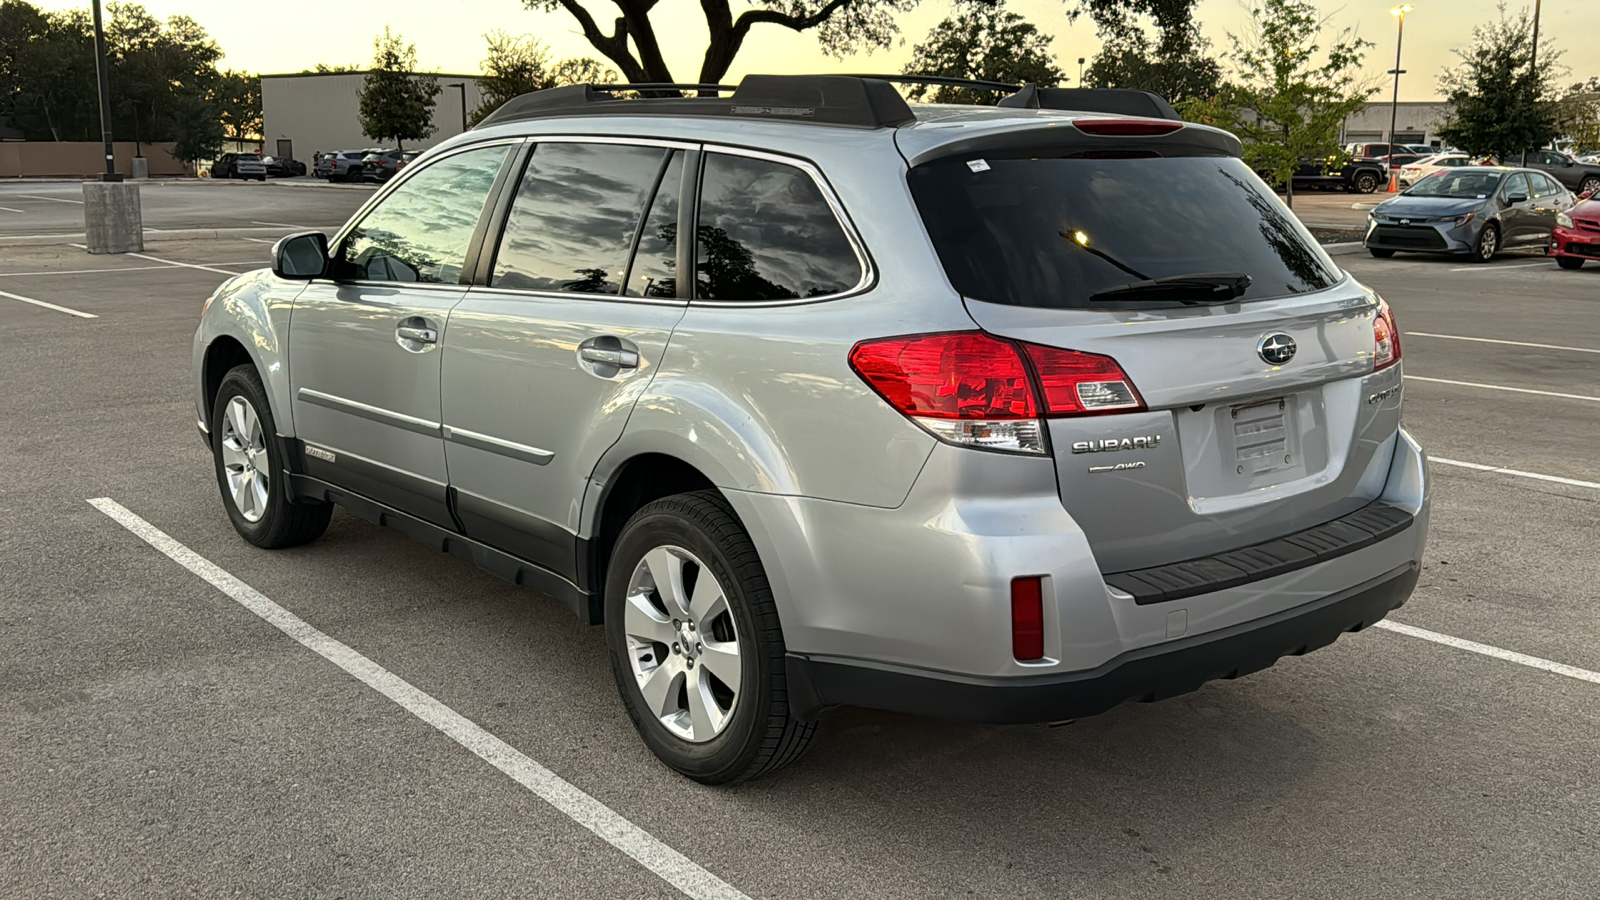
(1191,290)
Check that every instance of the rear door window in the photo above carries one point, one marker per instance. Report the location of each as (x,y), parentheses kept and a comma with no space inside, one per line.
(576,213)
(1516,184)
(766,232)
(1052,232)
(654,272)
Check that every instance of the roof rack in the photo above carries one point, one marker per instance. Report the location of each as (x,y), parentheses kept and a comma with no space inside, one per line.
(945,81)
(1121,101)
(823,99)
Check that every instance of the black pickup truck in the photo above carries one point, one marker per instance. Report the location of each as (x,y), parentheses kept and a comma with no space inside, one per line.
(1361,176)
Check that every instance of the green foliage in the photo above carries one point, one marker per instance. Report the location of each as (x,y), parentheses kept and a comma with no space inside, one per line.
(982,41)
(1578,115)
(202,133)
(237,96)
(1177,65)
(843,27)
(1289,95)
(1500,103)
(396,101)
(47,81)
(517,65)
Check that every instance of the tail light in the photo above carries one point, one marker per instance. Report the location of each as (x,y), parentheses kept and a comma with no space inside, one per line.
(1027,618)
(1386,338)
(973,389)
(1127,127)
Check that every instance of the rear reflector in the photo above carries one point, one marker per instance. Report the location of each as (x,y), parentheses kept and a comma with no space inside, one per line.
(1027,618)
(1127,127)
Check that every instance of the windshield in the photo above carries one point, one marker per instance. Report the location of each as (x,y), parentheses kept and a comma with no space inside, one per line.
(1457,185)
(1049,232)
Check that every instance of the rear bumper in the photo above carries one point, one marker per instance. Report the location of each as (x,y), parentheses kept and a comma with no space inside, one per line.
(1148,674)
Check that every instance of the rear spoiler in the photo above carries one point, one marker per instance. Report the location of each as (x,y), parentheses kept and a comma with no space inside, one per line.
(1120,101)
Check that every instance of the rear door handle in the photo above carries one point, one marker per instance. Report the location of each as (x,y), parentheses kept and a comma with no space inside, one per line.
(420,335)
(622,359)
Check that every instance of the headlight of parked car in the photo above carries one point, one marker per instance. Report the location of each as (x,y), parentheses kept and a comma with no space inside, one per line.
(1462,220)
(1564,220)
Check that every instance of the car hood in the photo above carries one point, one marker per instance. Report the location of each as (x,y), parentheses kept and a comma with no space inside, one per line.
(1428,207)
(1588,209)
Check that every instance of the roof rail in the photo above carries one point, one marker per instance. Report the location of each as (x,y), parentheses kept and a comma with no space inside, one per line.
(822,99)
(946,81)
(664,86)
(1121,101)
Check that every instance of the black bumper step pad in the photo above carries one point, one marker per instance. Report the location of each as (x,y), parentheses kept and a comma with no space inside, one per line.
(1175,581)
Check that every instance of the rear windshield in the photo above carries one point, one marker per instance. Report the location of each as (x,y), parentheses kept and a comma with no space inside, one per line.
(1049,232)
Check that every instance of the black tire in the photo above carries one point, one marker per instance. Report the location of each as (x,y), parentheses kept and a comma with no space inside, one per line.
(1487,243)
(281,524)
(1366,182)
(1380,253)
(1569,262)
(760,734)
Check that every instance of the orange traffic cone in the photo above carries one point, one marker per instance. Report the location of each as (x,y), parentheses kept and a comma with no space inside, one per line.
(1394,182)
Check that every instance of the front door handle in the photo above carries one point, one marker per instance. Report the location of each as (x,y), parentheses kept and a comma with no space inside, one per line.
(420,335)
(622,359)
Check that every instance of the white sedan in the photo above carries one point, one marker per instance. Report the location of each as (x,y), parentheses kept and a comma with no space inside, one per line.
(1422,168)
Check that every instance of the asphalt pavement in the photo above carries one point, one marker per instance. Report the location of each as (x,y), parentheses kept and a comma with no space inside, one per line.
(29,208)
(163,740)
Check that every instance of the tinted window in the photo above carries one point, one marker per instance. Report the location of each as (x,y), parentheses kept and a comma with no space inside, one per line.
(421,231)
(575,217)
(1052,232)
(1517,184)
(655,262)
(766,233)
(1543,187)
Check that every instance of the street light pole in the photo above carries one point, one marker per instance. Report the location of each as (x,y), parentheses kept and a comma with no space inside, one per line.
(463,89)
(1399,12)
(1081,61)
(1533,65)
(105,95)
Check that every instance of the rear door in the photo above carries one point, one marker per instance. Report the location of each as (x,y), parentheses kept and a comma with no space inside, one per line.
(364,344)
(1261,415)
(543,366)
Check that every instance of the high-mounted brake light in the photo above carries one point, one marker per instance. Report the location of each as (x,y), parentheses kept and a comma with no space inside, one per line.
(972,389)
(1127,127)
(1386,338)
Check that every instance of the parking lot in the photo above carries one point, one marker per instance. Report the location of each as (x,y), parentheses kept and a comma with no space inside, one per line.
(427,730)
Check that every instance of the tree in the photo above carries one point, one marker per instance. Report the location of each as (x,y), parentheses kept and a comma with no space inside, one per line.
(237,96)
(1177,65)
(842,26)
(986,42)
(1500,101)
(202,133)
(1289,96)
(1578,115)
(162,74)
(396,101)
(47,83)
(517,65)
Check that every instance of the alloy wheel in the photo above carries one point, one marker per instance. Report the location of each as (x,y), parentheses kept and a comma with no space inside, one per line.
(244,459)
(683,645)
(1488,243)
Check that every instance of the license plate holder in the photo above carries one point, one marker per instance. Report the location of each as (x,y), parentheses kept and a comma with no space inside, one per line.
(1263,432)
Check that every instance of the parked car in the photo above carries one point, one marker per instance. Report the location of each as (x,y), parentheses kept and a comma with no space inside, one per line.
(381,165)
(1066,489)
(1577,233)
(1361,176)
(1414,172)
(1580,178)
(341,165)
(1475,211)
(1424,149)
(284,166)
(239,165)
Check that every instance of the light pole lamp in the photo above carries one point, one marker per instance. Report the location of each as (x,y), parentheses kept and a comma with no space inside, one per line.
(1399,12)
(463,89)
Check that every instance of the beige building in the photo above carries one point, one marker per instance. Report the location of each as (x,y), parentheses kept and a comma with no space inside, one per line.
(307,112)
(1415,123)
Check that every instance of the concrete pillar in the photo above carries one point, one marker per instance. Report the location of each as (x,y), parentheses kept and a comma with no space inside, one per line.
(112,219)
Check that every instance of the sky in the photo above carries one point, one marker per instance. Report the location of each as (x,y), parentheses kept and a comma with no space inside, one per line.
(287,37)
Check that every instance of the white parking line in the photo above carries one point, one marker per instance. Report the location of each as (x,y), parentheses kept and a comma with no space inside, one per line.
(51,199)
(1521,659)
(9,209)
(1462,337)
(70,312)
(1483,268)
(667,863)
(259,240)
(1501,387)
(1502,470)
(279,225)
(85,271)
(184,265)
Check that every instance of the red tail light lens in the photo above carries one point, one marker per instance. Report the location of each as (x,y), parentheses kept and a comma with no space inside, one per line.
(1081,384)
(960,375)
(1386,338)
(1027,618)
(1127,127)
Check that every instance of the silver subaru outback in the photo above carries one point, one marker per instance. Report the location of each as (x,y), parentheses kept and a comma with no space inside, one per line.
(1006,414)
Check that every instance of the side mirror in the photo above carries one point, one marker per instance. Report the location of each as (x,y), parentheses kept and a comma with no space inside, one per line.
(302,256)
(1514,199)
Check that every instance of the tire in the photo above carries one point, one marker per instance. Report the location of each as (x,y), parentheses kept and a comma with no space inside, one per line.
(1487,244)
(243,438)
(1380,253)
(1590,184)
(1366,182)
(1569,262)
(648,633)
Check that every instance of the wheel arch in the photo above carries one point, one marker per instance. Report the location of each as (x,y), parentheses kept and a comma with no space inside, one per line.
(629,483)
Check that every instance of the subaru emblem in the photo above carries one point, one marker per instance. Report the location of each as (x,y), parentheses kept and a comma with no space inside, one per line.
(1277,348)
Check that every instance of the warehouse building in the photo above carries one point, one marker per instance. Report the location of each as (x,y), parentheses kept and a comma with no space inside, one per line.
(306,112)
(1415,123)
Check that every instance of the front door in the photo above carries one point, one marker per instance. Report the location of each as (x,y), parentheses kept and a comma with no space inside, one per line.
(1516,220)
(364,345)
(542,367)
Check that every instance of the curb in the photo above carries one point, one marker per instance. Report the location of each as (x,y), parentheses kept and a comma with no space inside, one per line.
(1343,249)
